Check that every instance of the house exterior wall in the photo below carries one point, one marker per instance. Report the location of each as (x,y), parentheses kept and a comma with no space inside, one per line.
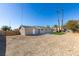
(37,31)
(28,31)
(2,33)
(43,30)
(32,31)
(47,30)
(22,31)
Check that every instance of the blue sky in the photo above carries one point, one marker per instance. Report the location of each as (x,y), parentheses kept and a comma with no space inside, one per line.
(40,14)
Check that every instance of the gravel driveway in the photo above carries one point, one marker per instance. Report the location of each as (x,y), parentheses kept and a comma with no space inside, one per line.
(43,45)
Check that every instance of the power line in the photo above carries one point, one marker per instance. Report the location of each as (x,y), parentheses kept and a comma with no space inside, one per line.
(22,14)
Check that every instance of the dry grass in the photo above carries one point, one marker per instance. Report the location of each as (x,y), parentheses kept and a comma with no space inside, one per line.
(9,33)
(44,45)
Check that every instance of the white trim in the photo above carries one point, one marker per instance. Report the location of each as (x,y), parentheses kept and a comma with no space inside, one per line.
(33,32)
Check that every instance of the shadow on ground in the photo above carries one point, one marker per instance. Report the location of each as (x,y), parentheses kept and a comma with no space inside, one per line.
(2,45)
(36,34)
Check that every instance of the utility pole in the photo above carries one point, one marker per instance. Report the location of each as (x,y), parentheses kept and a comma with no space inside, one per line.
(10,24)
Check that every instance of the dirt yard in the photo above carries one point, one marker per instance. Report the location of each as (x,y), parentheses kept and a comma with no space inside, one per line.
(43,45)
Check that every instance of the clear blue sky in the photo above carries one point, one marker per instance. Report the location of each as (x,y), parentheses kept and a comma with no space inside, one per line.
(41,14)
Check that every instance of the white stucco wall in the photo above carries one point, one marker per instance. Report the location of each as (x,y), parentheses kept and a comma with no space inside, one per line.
(29,31)
(22,31)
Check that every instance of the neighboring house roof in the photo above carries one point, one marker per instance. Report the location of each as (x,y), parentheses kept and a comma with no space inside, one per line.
(31,27)
(25,26)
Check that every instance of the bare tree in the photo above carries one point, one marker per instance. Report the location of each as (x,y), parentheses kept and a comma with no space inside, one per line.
(58,20)
(62,19)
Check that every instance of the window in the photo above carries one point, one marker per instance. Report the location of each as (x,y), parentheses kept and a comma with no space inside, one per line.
(41,29)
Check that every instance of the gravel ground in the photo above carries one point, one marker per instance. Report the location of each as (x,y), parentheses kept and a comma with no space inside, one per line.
(43,45)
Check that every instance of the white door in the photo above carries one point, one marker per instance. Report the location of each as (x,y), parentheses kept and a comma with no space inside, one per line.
(33,31)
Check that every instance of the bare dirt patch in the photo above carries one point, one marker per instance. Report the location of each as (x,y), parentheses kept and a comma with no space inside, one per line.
(43,45)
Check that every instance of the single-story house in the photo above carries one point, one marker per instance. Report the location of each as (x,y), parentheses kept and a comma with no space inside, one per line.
(33,30)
